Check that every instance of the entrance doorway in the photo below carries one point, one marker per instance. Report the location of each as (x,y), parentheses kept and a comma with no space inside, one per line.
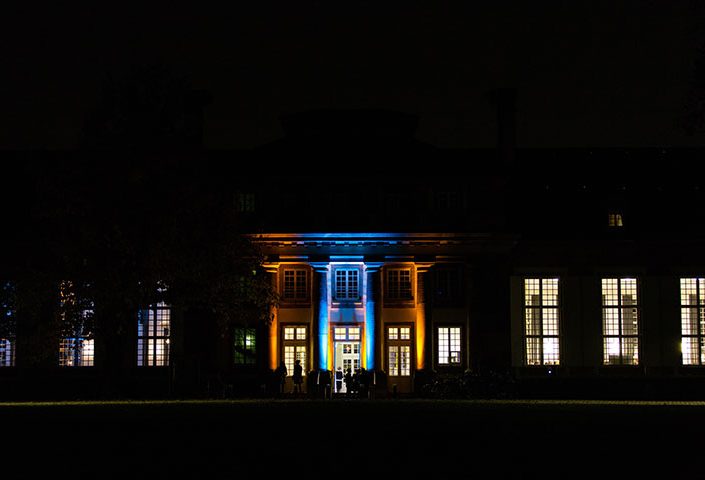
(347,357)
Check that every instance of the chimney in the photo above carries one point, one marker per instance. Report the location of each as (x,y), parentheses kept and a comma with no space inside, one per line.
(505,100)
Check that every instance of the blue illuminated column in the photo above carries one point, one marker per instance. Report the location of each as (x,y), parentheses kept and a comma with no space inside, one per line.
(371,270)
(323,314)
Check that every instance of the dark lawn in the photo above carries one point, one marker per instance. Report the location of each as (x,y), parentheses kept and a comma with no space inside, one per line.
(356,439)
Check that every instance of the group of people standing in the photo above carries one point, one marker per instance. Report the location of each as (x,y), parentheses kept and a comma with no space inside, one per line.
(298,377)
(357,383)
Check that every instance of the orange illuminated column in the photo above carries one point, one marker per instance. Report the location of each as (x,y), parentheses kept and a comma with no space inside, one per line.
(421,273)
(273,343)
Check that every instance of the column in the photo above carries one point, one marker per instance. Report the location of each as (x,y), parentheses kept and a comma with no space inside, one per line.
(422,336)
(273,326)
(371,276)
(322,345)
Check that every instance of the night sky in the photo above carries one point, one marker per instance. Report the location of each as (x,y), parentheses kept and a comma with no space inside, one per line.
(611,73)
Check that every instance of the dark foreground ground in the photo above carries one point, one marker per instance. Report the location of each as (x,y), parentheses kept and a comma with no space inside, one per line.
(354,439)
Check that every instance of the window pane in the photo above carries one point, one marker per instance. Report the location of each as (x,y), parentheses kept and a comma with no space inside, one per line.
(628,286)
(610,321)
(301,356)
(689,291)
(405,353)
(610,292)
(611,351)
(443,345)
(405,333)
(630,351)
(533,351)
(549,292)
(393,360)
(393,333)
(354,333)
(289,333)
(630,319)
(689,349)
(301,284)
(340,333)
(550,351)
(301,333)
(532,292)
(689,321)
(289,357)
(6,353)
(533,321)
(550,321)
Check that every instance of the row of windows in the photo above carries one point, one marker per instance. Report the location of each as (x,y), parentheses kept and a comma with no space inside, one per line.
(620,321)
(346,284)
(399,348)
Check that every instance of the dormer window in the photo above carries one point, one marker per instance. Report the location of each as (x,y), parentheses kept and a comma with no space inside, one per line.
(615,220)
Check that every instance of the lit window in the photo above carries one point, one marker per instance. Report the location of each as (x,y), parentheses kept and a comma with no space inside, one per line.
(693,321)
(76,346)
(399,351)
(347,284)
(620,321)
(353,333)
(340,333)
(153,328)
(405,333)
(76,352)
(615,219)
(245,344)
(8,302)
(294,333)
(294,348)
(449,351)
(346,333)
(399,283)
(541,332)
(295,288)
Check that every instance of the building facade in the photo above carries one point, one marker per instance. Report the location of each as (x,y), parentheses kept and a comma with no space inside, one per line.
(520,266)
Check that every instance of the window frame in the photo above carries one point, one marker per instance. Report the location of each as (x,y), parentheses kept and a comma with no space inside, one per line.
(437,339)
(399,342)
(619,307)
(8,311)
(295,300)
(145,357)
(541,308)
(249,358)
(399,301)
(297,343)
(334,284)
(699,337)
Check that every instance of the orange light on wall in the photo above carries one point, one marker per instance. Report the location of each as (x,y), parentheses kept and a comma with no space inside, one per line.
(421,272)
(272,270)
(273,343)
(420,336)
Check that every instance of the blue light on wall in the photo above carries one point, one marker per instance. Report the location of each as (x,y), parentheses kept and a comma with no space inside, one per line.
(370,334)
(323,323)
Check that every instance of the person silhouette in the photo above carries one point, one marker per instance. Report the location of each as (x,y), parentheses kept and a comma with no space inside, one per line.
(280,373)
(339,379)
(298,376)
